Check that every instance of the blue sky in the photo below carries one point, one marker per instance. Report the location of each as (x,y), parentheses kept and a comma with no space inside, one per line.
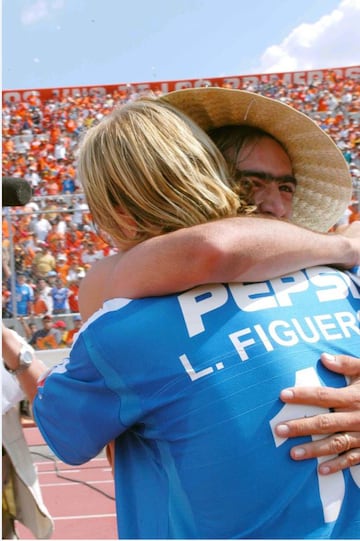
(52,43)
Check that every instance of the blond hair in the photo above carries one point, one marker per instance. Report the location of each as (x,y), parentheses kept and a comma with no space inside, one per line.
(147,169)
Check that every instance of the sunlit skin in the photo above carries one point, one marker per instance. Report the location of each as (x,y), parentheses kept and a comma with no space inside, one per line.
(269,169)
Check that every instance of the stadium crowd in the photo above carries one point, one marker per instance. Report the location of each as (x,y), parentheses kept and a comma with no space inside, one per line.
(50,243)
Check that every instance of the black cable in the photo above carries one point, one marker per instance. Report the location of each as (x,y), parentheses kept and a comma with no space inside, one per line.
(61,476)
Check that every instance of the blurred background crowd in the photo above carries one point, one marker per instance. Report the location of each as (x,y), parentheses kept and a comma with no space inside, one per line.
(48,245)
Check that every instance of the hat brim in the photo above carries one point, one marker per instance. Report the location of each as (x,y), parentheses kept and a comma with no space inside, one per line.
(324,185)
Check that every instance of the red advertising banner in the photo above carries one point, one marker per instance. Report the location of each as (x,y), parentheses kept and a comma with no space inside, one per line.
(232,81)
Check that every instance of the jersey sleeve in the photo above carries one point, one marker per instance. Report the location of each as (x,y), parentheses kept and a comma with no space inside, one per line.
(75,410)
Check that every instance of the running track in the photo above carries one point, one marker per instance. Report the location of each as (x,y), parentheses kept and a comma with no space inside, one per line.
(79,498)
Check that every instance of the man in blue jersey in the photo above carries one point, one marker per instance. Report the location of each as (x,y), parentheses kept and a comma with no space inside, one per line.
(192,383)
(188,386)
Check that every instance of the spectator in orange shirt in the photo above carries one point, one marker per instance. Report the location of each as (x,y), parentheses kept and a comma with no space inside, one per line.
(35,144)
(39,306)
(53,237)
(74,285)
(53,187)
(62,267)
(70,125)
(46,338)
(355,211)
(29,251)
(54,134)
(5,228)
(71,332)
(8,145)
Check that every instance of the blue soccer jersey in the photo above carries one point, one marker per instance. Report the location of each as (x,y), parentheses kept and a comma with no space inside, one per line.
(188,385)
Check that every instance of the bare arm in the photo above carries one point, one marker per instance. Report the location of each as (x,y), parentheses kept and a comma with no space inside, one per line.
(235,249)
(11,346)
(26,328)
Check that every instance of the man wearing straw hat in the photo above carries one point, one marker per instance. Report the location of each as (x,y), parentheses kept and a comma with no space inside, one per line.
(298,174)
(323,185)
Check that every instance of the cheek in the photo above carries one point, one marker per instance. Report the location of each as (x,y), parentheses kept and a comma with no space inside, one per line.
(287,200)
(258,194)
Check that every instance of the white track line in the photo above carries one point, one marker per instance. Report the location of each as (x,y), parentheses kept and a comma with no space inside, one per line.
(75,482)
(77,517)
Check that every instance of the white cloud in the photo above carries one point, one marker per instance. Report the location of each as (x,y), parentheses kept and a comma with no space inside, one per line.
(330,42)
(40,9)
(35,12)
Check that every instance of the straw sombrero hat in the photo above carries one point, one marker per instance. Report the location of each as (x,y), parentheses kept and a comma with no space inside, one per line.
(324,183)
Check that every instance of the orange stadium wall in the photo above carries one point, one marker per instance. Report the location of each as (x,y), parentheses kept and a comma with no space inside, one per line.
(233,81)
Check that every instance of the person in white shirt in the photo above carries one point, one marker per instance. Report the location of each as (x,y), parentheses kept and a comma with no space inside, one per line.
(22,498)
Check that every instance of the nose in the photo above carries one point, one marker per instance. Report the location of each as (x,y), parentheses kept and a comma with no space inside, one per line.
(269,200)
